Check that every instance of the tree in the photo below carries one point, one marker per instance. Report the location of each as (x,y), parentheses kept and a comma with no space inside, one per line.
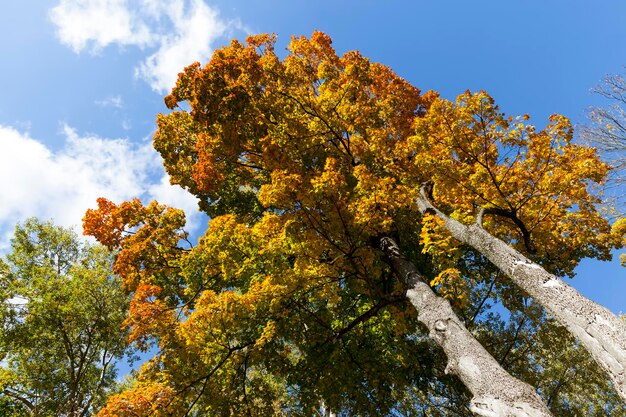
(536,187)
(608,133)
(608,130)
(62,312)
(325,265)
(548,358)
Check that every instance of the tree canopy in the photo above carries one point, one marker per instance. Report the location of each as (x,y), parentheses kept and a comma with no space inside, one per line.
(305,166)
(62,311)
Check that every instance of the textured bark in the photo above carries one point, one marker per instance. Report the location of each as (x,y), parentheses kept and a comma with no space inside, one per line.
(600,331)
(495,392)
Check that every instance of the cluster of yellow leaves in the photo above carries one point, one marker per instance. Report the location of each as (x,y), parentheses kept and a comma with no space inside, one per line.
(148,237)
(289,122)
(619,233)
(445,251)
(478,158)
(451,285)
(438,243)
(143,400)
(281,192)
(378,200)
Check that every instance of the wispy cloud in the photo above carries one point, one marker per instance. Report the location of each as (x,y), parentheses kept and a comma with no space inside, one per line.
(126,124)
(115,101)
(174,33)
(63,184)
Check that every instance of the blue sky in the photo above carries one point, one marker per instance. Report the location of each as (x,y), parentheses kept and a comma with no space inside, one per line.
(81,81)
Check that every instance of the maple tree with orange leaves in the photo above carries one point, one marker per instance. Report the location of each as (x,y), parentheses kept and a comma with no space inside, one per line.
(351,217)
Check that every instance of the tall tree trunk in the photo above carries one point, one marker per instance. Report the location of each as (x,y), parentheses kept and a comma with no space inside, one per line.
(495,392)
(601,332)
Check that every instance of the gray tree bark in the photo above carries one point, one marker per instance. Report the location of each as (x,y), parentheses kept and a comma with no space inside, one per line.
(326,411)
(495,392)
(600,331)
(329,413)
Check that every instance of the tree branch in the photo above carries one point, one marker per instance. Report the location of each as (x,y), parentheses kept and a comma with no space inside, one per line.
(18,397)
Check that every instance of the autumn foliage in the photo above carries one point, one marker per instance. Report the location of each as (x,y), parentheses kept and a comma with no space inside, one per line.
(302,164)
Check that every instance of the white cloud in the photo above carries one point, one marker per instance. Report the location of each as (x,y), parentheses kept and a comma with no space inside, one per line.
(174,33)
(95,24)
(194,32)
(36,181)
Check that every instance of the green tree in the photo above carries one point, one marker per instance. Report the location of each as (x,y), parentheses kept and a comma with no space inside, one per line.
(62,312)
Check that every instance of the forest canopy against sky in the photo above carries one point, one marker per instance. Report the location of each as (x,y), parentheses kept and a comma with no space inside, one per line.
(87,80)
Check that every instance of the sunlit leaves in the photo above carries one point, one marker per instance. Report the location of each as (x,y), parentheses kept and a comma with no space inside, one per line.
(148,236)
(619,233)
(538,189)
(143,400)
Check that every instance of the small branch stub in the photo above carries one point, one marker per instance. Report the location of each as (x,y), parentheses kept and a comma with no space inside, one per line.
(441,326)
